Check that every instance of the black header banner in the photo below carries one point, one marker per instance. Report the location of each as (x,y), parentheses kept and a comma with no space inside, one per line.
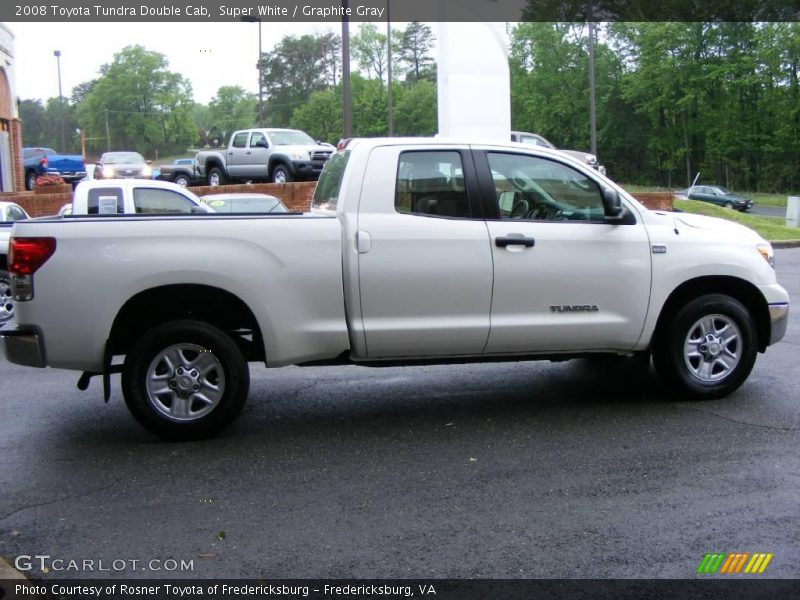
(330,11)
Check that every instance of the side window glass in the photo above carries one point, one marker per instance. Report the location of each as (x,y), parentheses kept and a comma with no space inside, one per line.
(257,137)
(105,201)
(15,214)
(240,140)
(539,189)
(158,201)
(431,183)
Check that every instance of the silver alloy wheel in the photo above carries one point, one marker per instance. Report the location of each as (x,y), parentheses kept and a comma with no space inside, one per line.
(713,348)
(185,382)
(183,181)
(32,180)
(213,179)
(279,176)
(6,300)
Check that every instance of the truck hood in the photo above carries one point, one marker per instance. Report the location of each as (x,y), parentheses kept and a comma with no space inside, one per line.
(714,225)
(310,149)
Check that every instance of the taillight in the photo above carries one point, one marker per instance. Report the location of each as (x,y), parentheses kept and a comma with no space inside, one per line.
(27,254)
(43,162)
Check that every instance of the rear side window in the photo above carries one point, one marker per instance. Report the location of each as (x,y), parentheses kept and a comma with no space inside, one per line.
(326,194)
(431,183)
(158,201)
(105,201)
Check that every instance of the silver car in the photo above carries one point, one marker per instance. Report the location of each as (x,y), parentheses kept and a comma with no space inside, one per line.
(122,165)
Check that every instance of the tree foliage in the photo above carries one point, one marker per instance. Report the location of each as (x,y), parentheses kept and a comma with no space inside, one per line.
(413,50)
(146,107)
(232,108)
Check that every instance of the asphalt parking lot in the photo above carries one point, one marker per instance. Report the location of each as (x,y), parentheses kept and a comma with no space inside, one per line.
(516,470)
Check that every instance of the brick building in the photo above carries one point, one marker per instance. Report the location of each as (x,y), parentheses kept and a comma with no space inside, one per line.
(11,171)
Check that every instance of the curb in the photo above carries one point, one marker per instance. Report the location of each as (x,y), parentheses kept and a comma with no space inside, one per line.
(8,572)
(786,244)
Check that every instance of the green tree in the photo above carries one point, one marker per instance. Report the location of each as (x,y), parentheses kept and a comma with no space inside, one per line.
(371,51)
(32,115)
(147,107)
(294,70)
(413,50)
(233,108)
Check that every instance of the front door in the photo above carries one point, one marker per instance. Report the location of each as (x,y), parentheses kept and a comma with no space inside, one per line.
(565,280)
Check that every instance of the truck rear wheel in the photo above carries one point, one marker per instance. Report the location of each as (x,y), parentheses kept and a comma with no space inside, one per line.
(215,177)
(708,348)
(185,380)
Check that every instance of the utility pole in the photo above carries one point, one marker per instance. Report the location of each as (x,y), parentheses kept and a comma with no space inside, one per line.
(592,96)
(249,19)
(57,54)
(390,115)
(108,134)
(346,104)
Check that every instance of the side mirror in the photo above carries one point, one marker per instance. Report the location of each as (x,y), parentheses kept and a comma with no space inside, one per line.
(612,203)
(262,144)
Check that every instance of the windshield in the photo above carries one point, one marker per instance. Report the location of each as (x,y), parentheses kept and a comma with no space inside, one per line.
(122,158)
(291,138)
(326,194)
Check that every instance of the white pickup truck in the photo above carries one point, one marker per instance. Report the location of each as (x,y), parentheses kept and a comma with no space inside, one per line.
(133,196)
(414,250)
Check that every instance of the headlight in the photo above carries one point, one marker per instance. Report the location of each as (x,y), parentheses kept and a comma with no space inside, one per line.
(765,250)
(108,172)
(147,171)
(298,155)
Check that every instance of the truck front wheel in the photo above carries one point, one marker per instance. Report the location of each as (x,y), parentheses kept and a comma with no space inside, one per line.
(708,348)
(281,174)
(185,380)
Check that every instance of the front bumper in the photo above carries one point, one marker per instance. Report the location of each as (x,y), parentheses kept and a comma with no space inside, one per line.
(22,346)
(779,321)
(307,169)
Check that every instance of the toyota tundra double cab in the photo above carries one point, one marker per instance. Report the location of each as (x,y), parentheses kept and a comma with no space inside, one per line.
(414,250)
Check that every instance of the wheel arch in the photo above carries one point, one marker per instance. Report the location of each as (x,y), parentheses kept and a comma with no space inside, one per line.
(213,305)
(274,161)
(740,289)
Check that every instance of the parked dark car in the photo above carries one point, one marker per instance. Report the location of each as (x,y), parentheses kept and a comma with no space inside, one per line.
(46,161)
(244,203)
(122,165)
(182,171)
(716,194)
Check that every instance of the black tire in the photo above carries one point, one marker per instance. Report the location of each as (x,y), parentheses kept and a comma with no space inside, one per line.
(281,174)
(728,205)
(223,373)
(181,180)
(30,180)
(720,363)
(216,177)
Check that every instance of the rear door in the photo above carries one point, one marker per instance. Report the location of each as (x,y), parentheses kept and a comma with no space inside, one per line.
(564,279)
(237,153)
(424,260)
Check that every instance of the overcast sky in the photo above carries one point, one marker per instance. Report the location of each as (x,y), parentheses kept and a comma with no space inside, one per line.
(210,55)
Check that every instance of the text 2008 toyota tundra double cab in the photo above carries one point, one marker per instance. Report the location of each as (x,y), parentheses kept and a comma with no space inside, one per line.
(414,250)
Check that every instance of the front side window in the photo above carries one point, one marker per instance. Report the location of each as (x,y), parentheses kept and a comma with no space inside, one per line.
(240,140)
(431,183)
(540,189)
(158,201)
(257,137)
